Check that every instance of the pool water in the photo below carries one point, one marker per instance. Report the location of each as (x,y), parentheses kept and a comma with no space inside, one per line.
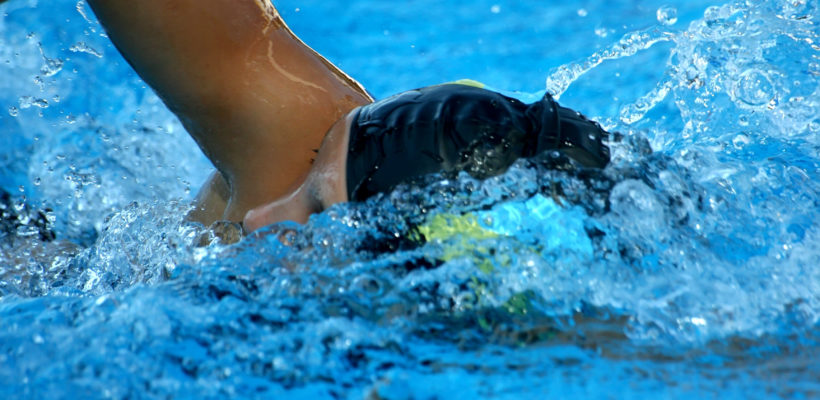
(688,268)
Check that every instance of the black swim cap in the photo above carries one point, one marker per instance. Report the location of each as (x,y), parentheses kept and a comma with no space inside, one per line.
(454,127)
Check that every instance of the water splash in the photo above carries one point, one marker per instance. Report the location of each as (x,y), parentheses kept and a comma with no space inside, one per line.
(562,77)
(688,264)
(634,112)
(714,74)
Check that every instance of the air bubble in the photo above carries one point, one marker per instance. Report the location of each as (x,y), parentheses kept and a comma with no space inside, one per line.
(667,15)
(711,13)
(814,126)
(741,140)
(583,12)
(13,111)
(814,68)
(756,27)
(754,88)
(368,285)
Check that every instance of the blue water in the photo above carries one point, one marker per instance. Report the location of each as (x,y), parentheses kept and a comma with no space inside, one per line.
(687,269)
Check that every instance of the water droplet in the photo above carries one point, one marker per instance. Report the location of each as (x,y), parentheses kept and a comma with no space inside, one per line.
(797,9)
(13,111)
(495,9)
(52,65)
(601,32)
(82,12)
(28,102)
(582,12)
(38,339)
(667,15)
(82,47)
(25,102)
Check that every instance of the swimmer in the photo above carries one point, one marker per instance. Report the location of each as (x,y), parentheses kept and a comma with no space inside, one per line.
(258,101)
(445,128)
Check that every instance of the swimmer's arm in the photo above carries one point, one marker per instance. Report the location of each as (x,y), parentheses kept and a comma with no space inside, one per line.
(255,98)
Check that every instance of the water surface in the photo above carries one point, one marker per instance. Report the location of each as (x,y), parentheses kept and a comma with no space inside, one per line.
(686,269)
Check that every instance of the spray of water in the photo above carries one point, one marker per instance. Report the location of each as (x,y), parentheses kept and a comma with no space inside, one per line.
(694,250)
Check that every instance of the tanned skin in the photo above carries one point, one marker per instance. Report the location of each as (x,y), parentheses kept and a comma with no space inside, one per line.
(256,99)
(325,184)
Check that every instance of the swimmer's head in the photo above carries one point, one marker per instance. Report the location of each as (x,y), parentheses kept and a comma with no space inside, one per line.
(439,129)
